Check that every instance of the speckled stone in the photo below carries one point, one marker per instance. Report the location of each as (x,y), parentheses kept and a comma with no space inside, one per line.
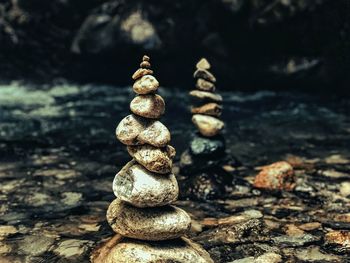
(204,95)
(129,128)
(142,188)
(202,146)
(141,72)
(203,64)
(207,125)
(205,85)
(145,85)
(149,106)
(157,160)
(156,134)
(179,251)
(204,74)
(134,130)
(212,109)
(276,176)
(155,223)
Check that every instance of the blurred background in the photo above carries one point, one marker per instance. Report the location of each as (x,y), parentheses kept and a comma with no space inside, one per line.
(252,44)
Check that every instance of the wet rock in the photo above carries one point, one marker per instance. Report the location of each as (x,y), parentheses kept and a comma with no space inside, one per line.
(293,230)
(133,130)
(206,185)
(145,64)
(205,85)
(313,254)
(344,189)
(295,241)
(145,85)
(277,176)
(6,231)
(179,250)
(149,106)
(251,230)
(204,74)
(36,244)
(265,258)
(158,223)
(235,219)
(212,109)
(72,248)
(143,72)
(158,160)
(207,125)
(141,188)
(340,239)
(202,146)
(206,96)
(310,226)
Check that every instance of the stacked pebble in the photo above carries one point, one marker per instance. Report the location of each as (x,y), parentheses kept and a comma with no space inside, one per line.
(201,163)
(205,116)
(146,187)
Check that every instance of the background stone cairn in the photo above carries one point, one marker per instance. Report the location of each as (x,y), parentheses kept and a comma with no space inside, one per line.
(145,187)
(201,163)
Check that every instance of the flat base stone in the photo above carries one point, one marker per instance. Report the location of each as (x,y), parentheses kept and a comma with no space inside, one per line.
(124,250)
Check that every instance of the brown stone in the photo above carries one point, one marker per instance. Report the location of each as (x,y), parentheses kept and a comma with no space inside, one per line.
(129,128)
(142,188)
(277,176)
(145,85)
(205,85)
(203,64)
(204,74)
(152,223)
(207,125)
(204,95)
(134,130)
(130,251)
(145,58)
(149,106)
(156,134)
(141,72)
(157,160)
(145,64)
(212,109)
(341,238)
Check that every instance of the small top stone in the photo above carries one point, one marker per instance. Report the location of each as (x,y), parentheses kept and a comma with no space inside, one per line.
(141,72)
(203,64)
(145,58)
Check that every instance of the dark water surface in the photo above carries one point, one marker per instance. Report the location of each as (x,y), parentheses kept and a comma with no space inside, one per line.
(58,157)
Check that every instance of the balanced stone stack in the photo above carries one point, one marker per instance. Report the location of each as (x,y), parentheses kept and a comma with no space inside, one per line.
(201,163)
(146,186)
(205,116)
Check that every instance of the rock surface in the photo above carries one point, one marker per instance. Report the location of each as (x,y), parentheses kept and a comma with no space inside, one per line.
(212,109)
(157,160)
(277,176)
(146,84)
(205,85)
(141,188)
(158,223)
(133,130)
(149,106)
(207,125)
(206,96)
(180,251)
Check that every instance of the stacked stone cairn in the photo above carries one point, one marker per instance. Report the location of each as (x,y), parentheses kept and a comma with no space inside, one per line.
(142,213)
(201,163)
(206,115)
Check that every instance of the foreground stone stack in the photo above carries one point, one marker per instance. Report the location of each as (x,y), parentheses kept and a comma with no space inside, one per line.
(201,163)
(146,187)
